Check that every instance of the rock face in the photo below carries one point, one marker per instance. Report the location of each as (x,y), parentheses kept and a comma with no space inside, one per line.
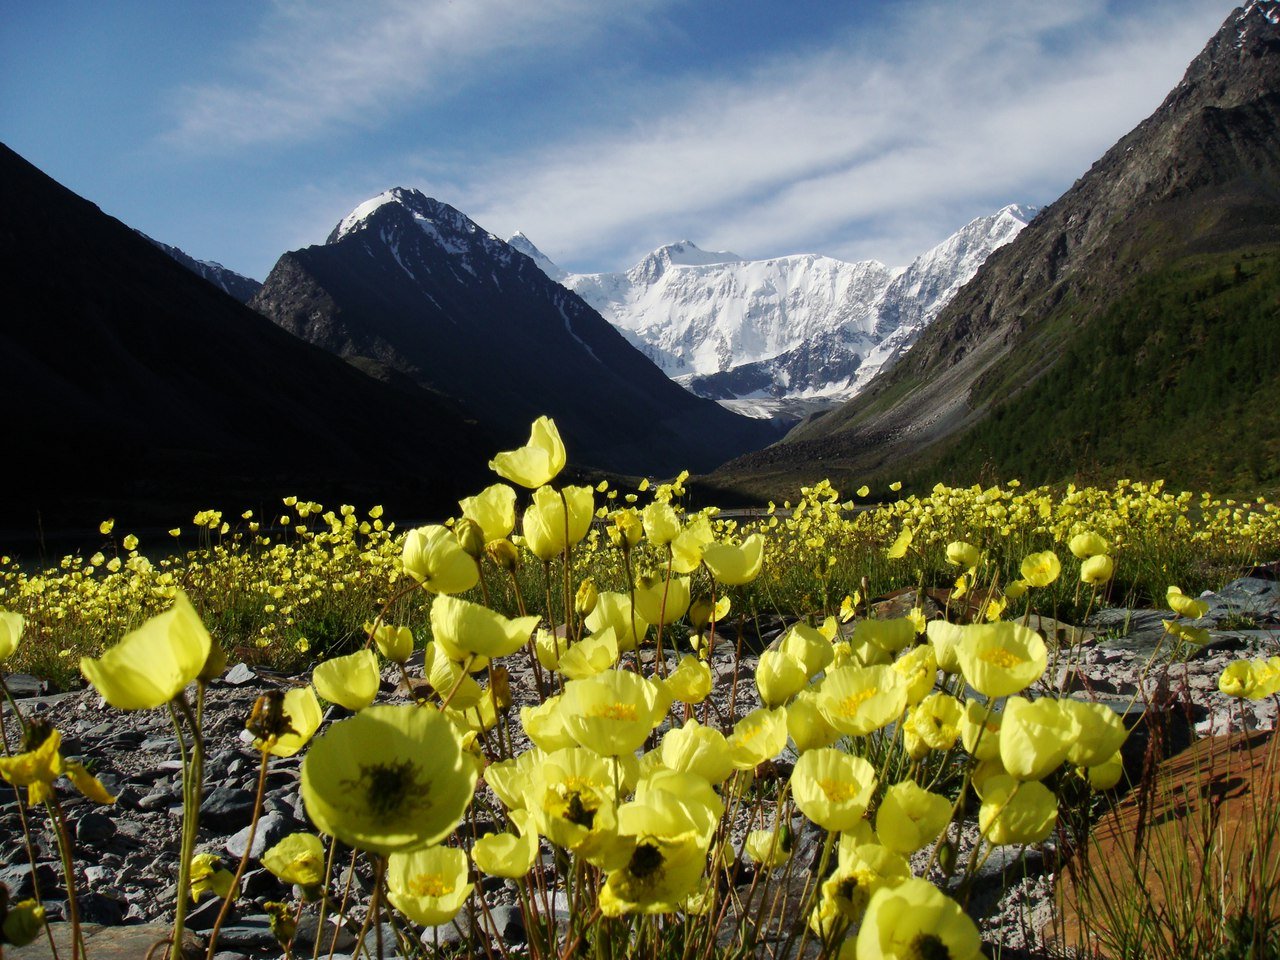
(147,394)
(1199,177)
(411,284)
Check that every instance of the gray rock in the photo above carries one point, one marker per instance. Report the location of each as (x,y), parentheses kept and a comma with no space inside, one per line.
(239,675)
(226,807)
(94,828)
(270,830)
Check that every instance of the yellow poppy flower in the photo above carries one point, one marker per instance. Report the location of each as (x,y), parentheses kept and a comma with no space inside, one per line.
(910,817)
(688,546)
(1104,775)
(661,523)
(351,681)
(572,798)
(832,788)
(614,610)
(962,554)
(690,681)
(863,867)
(918,668)
(945,637)
(390,778)
(544,724)
(36,768)
(858,700)
(547,532)
(759,736)
(1041,569)
(428,885)
(84,781)
(735,564)
(1016,811)
(810,646)
(153,664)
(694,748)
(537,462)
(662,870)
(506,854)
(613,712)
(663,601)
(298,858)
(1036,736)
(494,509)
(806,725)
(1102,732)
(779,676)
(10,633)
(394,643)
(769,848)
(980,730)
(936,720)
(302,714)
(1086,545)
(1097,570)
(898,549)
(1185,606)
(209,876)
(998,659)
(433,557)
(463,629)
(916,919)
(590,656)
(889,635)
(510,779)
(22,923)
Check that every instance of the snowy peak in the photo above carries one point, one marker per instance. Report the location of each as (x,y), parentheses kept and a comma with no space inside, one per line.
(805,327)
(522,243)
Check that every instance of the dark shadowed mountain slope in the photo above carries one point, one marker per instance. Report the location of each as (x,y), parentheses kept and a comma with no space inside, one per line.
(135,387)
(225,279)
(413,284)
(1152,279)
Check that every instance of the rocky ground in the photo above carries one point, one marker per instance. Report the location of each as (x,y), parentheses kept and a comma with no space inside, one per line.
(126,855)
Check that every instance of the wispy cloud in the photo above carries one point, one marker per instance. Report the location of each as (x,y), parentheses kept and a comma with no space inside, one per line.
(964,104)
(316,64)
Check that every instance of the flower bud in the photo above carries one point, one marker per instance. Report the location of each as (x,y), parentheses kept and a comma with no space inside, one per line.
(502,553)
(23,922)
(585,599)
(470,536)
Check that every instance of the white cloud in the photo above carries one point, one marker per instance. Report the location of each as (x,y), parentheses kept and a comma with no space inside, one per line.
(964,104)
(314,64)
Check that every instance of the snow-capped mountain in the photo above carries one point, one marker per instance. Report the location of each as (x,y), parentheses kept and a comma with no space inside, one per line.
(413,288)
(786,335)
(224,278)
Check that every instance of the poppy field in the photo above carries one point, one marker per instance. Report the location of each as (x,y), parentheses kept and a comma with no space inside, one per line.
(567,691)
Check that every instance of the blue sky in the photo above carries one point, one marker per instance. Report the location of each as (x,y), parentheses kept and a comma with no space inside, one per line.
(238,130)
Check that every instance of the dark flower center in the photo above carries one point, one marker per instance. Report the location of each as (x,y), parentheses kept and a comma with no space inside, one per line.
(645,862)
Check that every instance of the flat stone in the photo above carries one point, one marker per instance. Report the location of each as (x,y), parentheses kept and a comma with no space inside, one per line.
(1208,823)
(106,943)
(226,807)
(239,675)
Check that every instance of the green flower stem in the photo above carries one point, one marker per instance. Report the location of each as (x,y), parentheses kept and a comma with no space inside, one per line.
(375,907)
(324,896)
(22,805)
(342,904)
(68,871)
(192,788)
(244,857)
(811,887)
